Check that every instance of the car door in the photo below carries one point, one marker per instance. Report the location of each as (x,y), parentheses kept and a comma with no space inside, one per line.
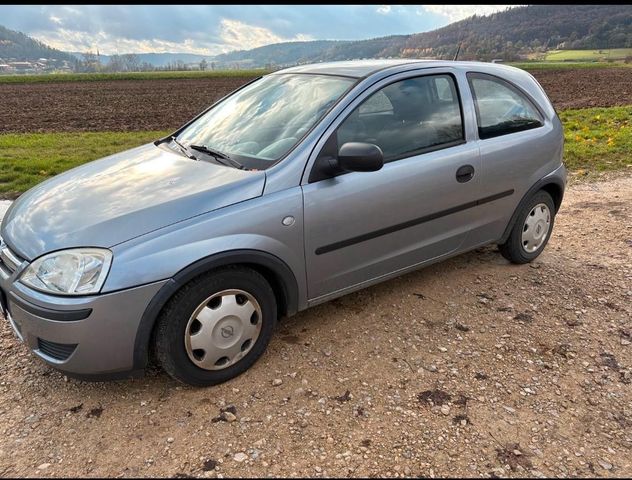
(361,226)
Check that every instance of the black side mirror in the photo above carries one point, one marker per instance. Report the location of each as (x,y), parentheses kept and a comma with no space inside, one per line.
(360,157)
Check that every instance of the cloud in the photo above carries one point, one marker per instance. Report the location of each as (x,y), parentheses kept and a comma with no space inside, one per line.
(237,35)
(214,29)
(458,12)
(233,35)
(75,41)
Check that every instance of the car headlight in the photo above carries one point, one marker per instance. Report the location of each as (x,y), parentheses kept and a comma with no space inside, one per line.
(79,271)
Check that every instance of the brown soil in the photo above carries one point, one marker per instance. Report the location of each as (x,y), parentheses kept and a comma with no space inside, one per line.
(587,87)
(118,105)
(128,105)
(471,367)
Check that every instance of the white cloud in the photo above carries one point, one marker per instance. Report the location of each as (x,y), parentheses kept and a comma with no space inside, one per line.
(237,35)
(459,12)
(384,9)
(77,41)
(234,35)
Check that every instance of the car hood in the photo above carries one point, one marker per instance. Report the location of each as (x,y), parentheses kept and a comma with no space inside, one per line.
(109,201)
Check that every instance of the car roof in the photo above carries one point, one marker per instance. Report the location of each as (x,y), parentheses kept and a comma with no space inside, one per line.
(365,68)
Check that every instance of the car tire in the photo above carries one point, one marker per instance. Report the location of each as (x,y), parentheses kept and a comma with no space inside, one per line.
(205,319)
(531,231)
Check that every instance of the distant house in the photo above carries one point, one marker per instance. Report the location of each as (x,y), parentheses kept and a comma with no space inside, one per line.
(21,66)
(4,68)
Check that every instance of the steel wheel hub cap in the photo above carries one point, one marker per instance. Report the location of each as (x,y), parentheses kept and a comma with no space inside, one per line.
(223,329)
(536,228)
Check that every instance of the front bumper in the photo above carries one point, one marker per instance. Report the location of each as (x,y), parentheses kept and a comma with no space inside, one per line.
(89,337)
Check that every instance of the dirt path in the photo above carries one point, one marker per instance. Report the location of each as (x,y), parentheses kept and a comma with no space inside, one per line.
(529,368)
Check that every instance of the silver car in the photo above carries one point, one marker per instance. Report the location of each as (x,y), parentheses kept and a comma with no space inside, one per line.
(299,187)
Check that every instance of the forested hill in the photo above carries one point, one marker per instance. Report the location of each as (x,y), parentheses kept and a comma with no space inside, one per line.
(510,34)
(279,53)
(526,30)
(18,46)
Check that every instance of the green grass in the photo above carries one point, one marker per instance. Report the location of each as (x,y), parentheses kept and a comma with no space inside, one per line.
(29,158)
(578,55)
(91,77)
(597,140)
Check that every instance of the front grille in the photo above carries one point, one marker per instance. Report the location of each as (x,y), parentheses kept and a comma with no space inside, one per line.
(9,261)
(58,351)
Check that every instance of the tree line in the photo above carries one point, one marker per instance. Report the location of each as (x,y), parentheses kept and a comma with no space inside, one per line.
(131,62)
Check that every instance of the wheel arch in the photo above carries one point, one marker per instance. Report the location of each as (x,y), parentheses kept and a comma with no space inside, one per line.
(554,186)
(275,271)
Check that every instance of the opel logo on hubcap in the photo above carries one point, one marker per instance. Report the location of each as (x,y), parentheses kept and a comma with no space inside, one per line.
(227,331)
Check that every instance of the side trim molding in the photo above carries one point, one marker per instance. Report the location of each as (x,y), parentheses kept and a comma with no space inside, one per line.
(411,223)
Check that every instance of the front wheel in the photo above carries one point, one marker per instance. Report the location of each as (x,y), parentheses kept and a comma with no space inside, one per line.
(216,326)
(532,229)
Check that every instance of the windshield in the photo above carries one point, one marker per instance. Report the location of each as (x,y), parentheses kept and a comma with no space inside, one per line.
(266,119)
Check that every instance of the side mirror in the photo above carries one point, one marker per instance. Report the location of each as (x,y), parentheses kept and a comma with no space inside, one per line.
(360,157)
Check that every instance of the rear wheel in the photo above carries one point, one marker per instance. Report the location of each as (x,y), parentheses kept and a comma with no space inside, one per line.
(216,326)
(532,229)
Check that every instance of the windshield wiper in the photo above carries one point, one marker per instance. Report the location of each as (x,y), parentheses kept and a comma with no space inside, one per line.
(219,156)
(184,149)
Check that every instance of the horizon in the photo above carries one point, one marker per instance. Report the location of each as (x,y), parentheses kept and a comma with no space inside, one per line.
(163,29)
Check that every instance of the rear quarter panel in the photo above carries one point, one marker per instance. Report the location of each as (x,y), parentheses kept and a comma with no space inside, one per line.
(516,161)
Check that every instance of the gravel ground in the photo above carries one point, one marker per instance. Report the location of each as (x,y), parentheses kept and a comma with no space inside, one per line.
(4,206)
(471,367)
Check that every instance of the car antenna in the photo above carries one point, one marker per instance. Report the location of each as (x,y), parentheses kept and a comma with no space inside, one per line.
(458,48)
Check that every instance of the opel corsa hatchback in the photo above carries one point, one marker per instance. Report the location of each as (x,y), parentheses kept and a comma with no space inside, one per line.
(301,186)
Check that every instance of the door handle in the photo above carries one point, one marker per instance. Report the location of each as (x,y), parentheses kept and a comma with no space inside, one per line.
(465,173)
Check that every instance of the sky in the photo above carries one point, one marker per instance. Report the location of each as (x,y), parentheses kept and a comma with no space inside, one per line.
(215,29)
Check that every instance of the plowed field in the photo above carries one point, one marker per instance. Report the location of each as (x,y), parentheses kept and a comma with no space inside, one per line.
(128,105)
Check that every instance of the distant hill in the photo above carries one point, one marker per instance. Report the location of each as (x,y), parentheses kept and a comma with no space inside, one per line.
(287,53)
(523,30)
(514,33)
(20,47)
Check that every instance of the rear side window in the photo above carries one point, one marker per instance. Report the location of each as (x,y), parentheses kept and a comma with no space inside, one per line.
(407,118)
(500,107)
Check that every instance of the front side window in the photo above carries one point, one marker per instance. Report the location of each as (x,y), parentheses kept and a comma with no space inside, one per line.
(407,117)
(262,122)
(500,107)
